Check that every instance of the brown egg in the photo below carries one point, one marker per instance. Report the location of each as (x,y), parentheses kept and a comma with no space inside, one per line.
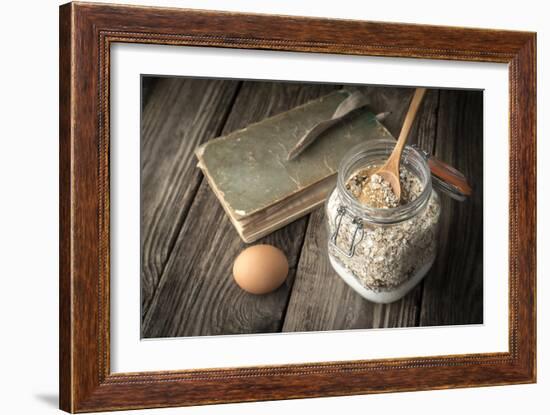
(260,269)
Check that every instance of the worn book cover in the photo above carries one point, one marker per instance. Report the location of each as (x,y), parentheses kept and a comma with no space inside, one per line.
(249,172)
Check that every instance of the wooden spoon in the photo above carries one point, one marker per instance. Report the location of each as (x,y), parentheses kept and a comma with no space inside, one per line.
(390,170)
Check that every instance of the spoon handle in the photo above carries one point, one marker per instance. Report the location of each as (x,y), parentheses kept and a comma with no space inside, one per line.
(407,124)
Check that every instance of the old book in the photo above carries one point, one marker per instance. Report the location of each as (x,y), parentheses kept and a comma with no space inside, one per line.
(258,187)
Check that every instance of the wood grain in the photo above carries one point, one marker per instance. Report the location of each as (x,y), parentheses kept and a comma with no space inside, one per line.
(66,396)
(148,83)
(453,289)
(86,34)
(199,296)
(181,113)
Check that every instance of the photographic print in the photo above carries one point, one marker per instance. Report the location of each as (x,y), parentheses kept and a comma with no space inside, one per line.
(276,207)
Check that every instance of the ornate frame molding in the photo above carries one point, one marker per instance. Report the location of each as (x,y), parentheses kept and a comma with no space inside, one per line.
(86,33)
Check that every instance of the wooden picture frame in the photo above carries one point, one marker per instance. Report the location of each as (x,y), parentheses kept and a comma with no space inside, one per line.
(86,33)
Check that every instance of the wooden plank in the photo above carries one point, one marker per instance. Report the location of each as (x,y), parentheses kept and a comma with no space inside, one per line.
(320,300)
(196,294)
(453,290)
(147,86)
(180,114)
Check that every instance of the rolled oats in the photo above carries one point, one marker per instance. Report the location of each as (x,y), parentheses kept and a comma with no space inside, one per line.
(388,254)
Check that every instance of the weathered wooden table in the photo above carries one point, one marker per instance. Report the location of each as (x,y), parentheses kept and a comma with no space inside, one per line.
(189,245)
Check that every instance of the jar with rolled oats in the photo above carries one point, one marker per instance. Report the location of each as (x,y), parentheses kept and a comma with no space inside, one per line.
(380,245)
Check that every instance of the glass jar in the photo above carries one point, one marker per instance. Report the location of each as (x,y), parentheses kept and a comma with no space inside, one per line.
(382,253)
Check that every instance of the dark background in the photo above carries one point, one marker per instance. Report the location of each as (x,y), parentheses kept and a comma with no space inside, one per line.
(189,245)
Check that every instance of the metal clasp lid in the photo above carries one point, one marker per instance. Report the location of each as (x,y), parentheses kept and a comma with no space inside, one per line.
(341,212)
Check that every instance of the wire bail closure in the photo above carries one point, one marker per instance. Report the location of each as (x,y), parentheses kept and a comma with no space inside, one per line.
(341,212)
